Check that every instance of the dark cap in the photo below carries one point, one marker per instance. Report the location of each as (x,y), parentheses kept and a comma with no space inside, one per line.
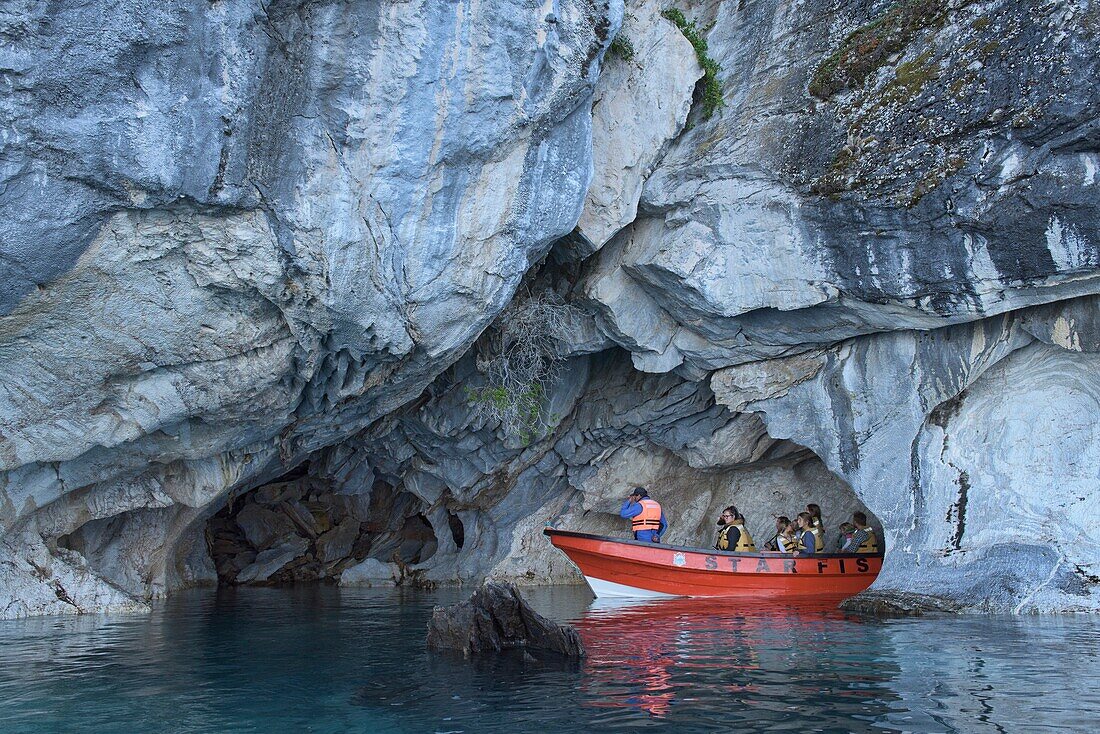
(640,492)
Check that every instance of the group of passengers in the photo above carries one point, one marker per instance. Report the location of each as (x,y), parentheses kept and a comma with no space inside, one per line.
(803,537)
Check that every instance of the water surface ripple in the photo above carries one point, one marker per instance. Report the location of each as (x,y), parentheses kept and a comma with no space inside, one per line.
(321,659)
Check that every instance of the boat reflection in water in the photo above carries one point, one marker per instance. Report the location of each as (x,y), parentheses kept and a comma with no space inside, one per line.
(655,654)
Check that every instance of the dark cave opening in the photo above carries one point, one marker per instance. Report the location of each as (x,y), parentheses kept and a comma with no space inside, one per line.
(458,531)
(299,529)
(418,542)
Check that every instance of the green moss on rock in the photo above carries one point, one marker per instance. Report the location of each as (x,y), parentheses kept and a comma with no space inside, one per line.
(712,88)
(910,78)
(870,47)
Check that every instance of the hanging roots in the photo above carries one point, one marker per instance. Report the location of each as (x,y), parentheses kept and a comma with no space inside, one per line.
(518,356)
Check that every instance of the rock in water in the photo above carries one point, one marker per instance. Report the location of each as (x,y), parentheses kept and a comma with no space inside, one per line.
(497,618)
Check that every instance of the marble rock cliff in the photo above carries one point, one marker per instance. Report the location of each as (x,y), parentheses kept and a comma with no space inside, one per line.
(258,260)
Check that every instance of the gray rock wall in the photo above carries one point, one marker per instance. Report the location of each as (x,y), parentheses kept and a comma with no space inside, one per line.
(947,185)
(239,236)
(238,233)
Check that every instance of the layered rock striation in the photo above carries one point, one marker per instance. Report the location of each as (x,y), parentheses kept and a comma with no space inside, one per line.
(239,237)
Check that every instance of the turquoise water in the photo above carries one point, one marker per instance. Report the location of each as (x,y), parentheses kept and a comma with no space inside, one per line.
(322,659)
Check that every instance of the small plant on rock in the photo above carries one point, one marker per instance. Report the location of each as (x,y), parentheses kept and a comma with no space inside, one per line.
(712,88)
(871,46)
(622,47)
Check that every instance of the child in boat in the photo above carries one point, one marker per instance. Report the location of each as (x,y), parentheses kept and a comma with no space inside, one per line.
(845,538)
(781,524)
(806,536)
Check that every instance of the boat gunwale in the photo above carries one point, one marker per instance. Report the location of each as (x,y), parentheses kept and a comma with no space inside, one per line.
(551,532)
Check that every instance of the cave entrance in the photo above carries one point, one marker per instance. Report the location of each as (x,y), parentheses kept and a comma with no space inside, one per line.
(299,529)
(781,481)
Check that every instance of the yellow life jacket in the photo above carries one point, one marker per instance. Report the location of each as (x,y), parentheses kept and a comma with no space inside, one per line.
(744,541)
(797,546)
(870,545)
(819,539)
(787,545)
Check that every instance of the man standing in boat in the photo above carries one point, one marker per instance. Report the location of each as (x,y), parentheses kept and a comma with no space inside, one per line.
(647,519)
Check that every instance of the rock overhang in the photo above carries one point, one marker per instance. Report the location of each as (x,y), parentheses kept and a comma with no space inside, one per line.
(338,256)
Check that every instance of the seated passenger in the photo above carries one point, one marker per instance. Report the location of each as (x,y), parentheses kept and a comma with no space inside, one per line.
(781,524)
(733,536)
(819,529)
(842,540)
(863,539)
(788,539)
(647,519)
(806,535)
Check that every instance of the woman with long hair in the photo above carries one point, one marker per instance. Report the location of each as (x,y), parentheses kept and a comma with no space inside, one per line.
(818,528)
(733,535)
(807,537)
(779,541)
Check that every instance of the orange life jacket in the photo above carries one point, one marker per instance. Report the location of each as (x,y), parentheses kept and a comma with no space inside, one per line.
(649,518)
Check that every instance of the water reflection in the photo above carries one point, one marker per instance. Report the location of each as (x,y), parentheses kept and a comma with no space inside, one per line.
(759,666)
(996,674)
(330,660)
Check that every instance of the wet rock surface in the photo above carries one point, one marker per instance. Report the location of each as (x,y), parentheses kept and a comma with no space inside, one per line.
(496,618)
(899,604)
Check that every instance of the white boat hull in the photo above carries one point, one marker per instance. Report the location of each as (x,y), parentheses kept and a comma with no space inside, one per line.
(609,589)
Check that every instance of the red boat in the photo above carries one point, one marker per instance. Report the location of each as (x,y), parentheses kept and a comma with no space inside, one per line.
(631,568)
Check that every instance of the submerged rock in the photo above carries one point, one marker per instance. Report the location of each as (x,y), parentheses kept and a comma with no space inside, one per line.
(497,618)
(898,604)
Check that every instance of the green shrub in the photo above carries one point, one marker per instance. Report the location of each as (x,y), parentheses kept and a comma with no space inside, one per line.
(712,88)
(520,410)
(622,47)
